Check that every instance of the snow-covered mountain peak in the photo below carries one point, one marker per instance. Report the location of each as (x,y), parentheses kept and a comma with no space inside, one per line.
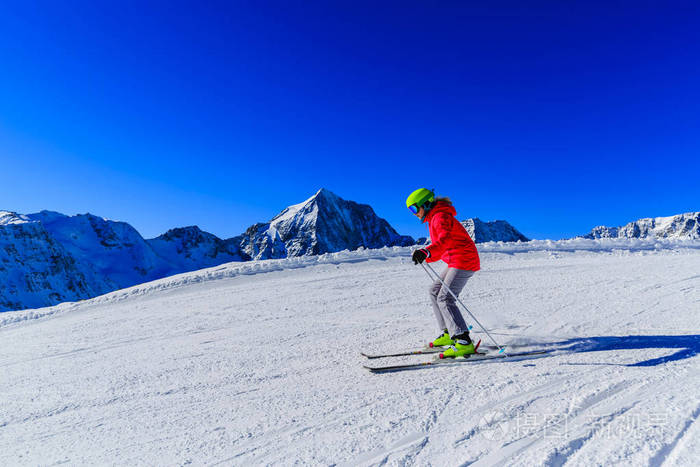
(36,269)
(493,231)
(9,217)
(323,193)
(682,226)
(189,232)
(189,248)
(291,212)
(47,216)
(327,195)
(323,223)
(307,208)
(307,213)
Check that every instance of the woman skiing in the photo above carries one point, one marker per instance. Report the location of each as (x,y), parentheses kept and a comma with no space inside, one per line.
(451,243)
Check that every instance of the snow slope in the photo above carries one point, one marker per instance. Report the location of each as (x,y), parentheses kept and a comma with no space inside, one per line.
(257,364)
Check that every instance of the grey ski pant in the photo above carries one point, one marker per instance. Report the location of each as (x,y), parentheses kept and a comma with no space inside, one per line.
(444,304)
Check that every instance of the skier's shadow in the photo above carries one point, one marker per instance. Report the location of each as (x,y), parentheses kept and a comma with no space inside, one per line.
(688,346)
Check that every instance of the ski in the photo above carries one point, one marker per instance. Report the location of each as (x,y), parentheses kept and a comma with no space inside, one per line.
(478,357)
(429,350)
(425,351)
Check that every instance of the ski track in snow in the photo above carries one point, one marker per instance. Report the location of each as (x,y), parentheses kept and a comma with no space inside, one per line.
(258,364)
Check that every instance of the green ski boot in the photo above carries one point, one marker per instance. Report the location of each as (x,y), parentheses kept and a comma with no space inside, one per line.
(443,340)
(462,347)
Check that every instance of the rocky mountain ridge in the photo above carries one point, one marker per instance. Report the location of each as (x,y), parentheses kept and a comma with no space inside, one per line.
(323,223)
(48,257)
(36,270)
(680,226)
(493,231)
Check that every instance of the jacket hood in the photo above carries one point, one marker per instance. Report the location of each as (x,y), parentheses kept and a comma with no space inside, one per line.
(440,206)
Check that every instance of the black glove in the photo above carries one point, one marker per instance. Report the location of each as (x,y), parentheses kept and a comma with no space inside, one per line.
(419,256)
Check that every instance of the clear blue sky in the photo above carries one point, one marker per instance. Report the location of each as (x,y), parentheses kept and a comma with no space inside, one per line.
(556,116)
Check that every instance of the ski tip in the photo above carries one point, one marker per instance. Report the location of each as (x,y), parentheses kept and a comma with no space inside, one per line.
(503,349)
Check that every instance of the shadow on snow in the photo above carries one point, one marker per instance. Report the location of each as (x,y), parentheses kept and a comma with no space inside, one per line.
(688,346)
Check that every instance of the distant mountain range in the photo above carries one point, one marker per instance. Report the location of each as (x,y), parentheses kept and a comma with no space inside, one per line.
(683,226)
(47,258)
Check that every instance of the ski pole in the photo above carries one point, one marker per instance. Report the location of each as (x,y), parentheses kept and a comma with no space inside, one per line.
(500,349)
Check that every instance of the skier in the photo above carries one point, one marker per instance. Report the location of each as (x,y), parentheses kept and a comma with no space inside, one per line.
(451,243)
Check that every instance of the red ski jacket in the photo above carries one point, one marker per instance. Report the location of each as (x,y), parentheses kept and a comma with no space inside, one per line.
(449,239)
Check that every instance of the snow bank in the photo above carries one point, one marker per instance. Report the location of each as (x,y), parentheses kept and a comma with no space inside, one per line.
(587,244)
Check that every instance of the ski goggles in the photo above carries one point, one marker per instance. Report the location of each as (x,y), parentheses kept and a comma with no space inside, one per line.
(414,208)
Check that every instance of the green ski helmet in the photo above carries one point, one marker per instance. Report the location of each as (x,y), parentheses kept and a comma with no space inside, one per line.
(418,198)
